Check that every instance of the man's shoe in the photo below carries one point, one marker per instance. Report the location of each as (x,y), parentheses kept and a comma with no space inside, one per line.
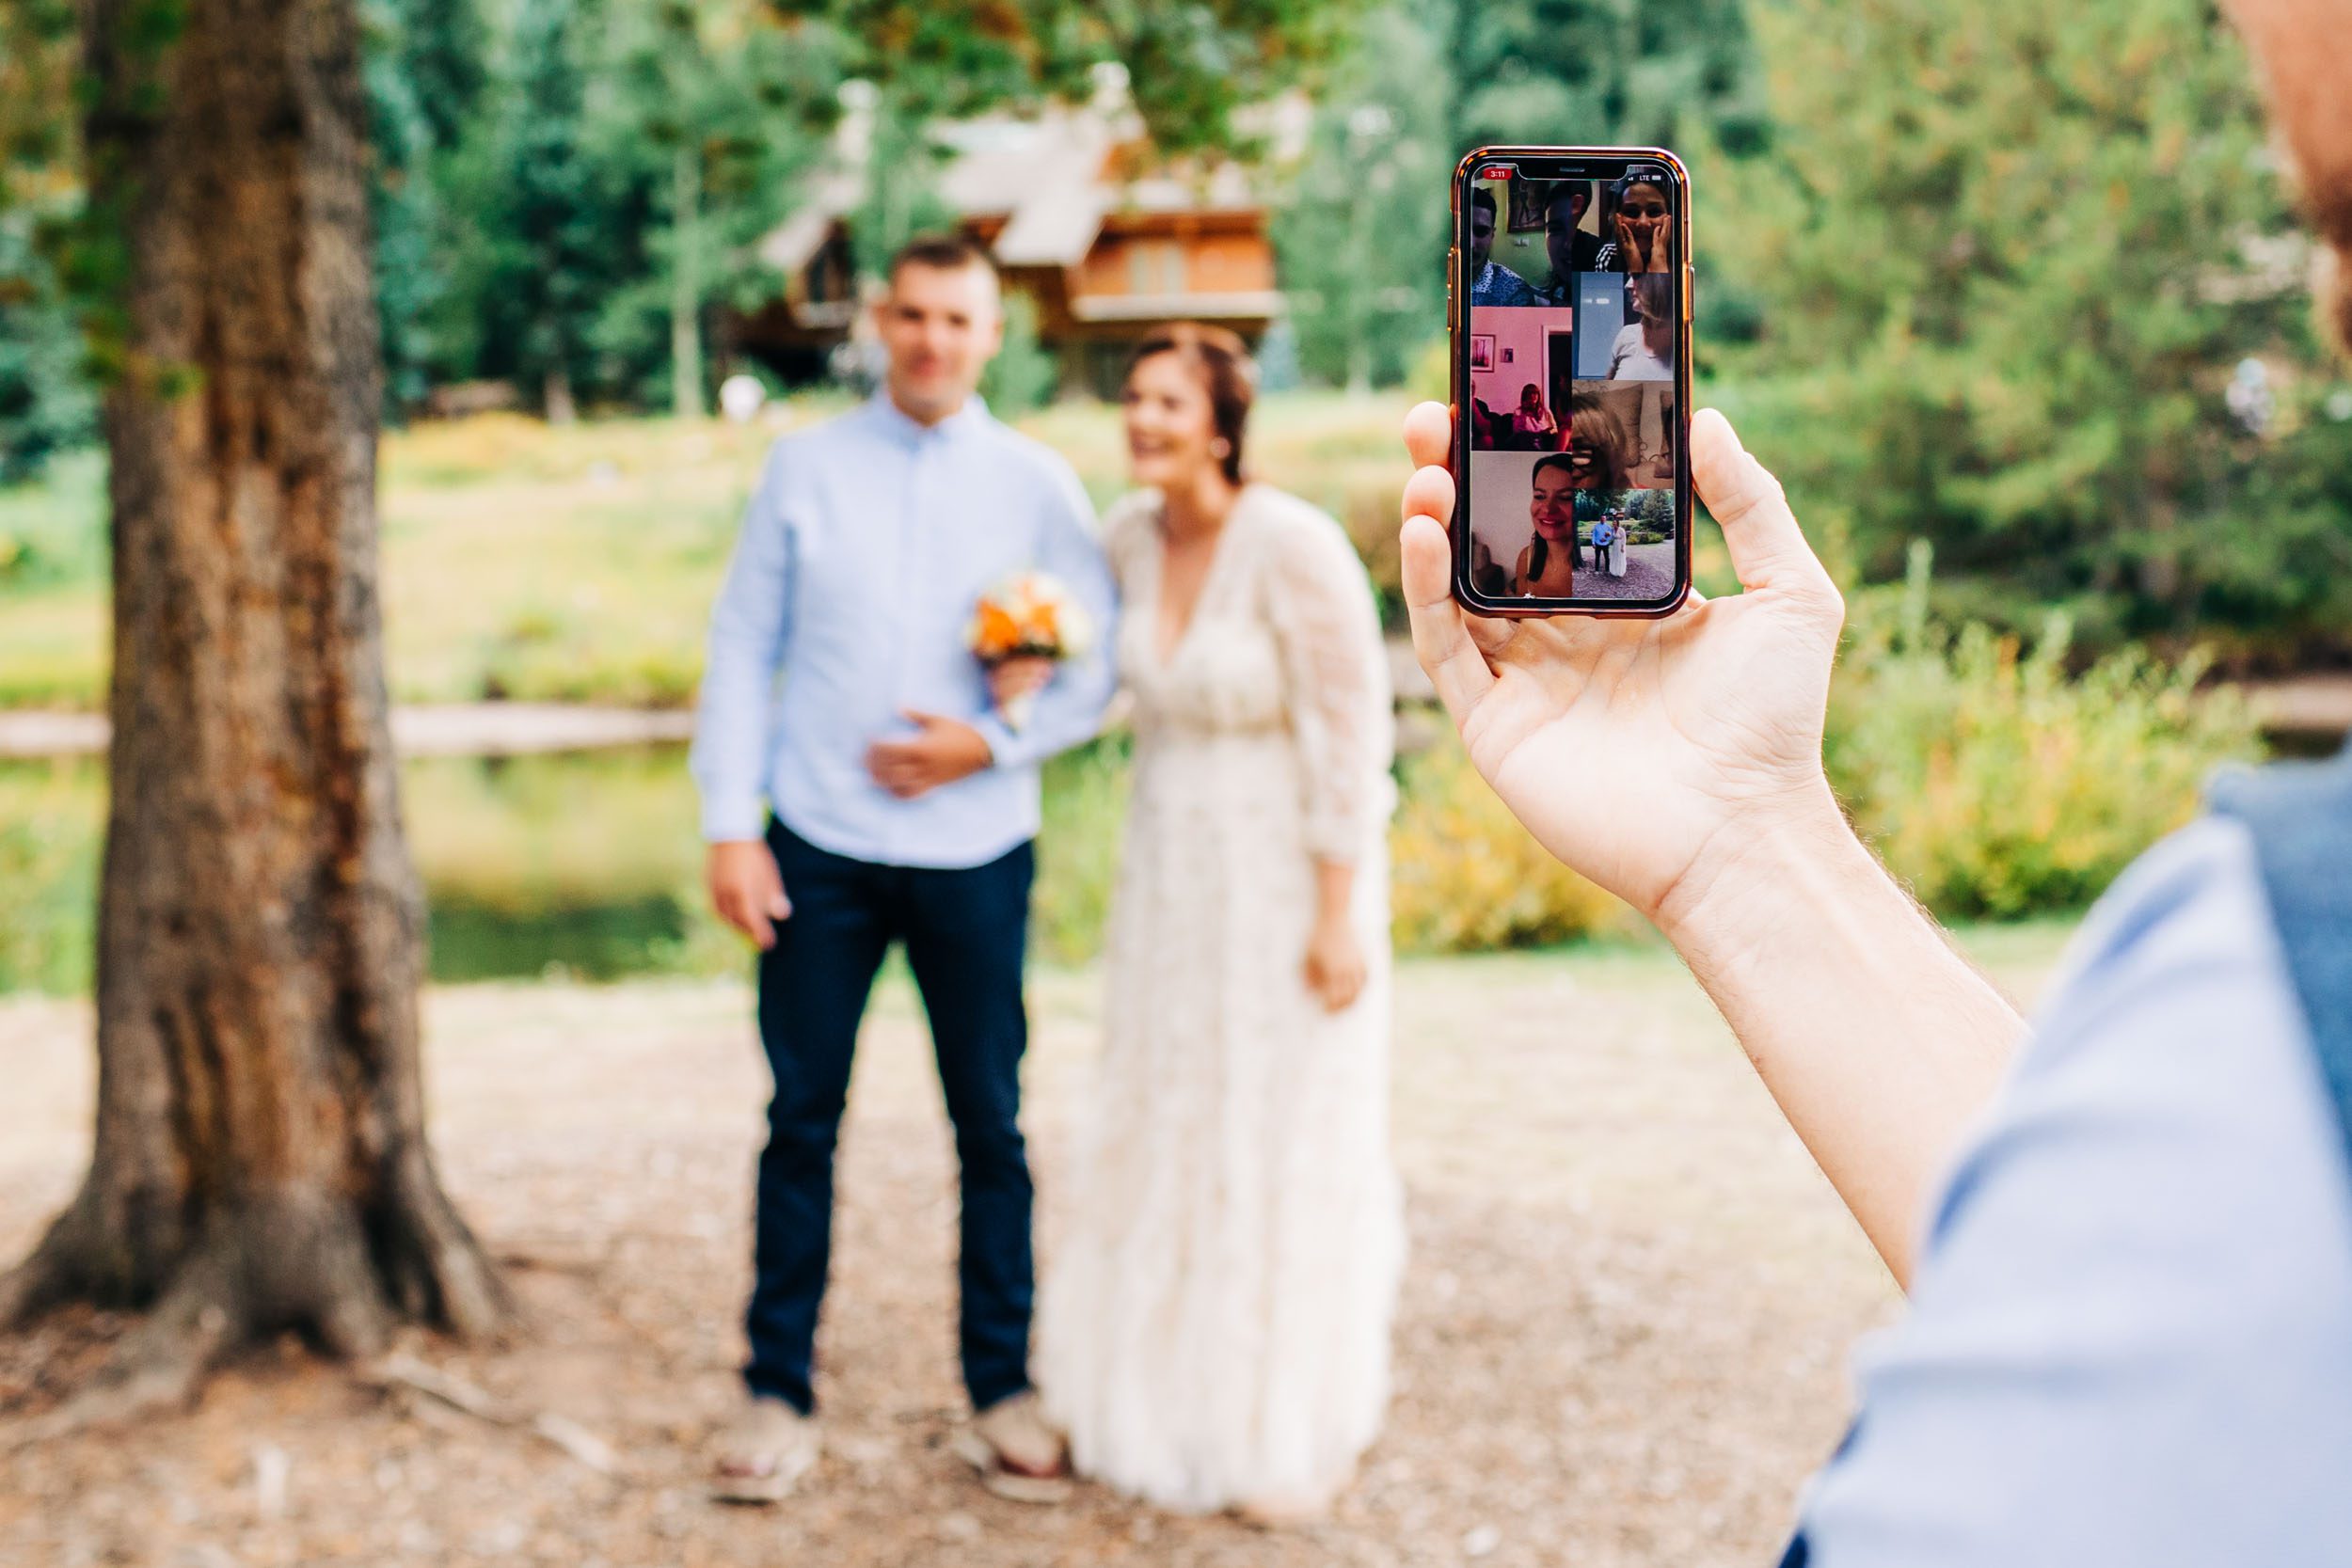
(1018,1452)
(761,1455)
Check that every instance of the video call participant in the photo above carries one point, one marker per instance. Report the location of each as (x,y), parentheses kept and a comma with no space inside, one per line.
(1491,282)
(1572,250)
(1547,568)
(1645,348)
(1600,450)
(1532,422)
(1642,223)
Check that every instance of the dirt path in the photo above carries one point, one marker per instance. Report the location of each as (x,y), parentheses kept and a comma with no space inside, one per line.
(1622,1340)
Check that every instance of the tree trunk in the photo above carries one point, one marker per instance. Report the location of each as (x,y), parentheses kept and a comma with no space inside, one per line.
(261,1160)
(557,397)
(686,333)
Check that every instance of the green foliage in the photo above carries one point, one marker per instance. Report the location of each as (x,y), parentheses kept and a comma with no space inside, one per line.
(1595,73)
(49,835)
(1023,374)
(1993,783)
(2009,257)
(45,398)
(554,268)
(1190,66)
(1084,817)
(1466,876)
(1363,298)
(902,198)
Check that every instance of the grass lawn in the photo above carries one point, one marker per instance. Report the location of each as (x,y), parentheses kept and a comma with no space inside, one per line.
(522,561)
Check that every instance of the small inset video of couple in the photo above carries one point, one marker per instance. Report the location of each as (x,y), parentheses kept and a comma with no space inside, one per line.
(1592,518)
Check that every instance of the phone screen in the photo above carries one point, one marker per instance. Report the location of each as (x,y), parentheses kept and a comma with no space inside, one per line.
(1571,354)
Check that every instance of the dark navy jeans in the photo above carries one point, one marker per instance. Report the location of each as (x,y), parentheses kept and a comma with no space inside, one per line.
(966,933)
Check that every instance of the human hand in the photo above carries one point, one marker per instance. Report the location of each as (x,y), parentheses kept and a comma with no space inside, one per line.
(1710,717)
(1644,243)
(941,752)
(1011,680)
(1335,963)
(747,890)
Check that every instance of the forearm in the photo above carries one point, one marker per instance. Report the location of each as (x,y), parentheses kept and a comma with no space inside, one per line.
(1335,889)
(1880,1042)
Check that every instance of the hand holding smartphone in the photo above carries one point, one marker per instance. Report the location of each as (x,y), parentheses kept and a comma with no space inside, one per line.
(1568,293)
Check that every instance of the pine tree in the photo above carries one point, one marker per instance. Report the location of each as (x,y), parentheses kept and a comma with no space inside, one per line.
(1360,232)
(556,237)
(2011,256)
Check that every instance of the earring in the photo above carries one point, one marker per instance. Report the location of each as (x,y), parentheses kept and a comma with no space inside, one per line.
(1220,448)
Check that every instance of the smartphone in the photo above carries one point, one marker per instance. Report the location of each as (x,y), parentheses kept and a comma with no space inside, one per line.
(1569,299)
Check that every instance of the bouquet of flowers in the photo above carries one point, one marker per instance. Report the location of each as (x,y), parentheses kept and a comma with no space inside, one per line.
(1024,627)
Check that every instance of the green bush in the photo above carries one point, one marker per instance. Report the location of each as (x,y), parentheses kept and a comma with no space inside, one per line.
(50,826)
(1077,853)
(1465,876)
(1992,782)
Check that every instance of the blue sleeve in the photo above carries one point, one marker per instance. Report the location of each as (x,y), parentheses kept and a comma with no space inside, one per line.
(748,628)
(1069,710)
(2130,1339)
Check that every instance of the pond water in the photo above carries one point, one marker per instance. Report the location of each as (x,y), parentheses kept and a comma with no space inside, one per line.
(585,864)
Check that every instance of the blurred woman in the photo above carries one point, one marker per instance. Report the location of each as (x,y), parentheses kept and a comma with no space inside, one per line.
(1214,1331)
(1601,450)
(1532,422)
(1641,224)
(1547,568)
(1645,348)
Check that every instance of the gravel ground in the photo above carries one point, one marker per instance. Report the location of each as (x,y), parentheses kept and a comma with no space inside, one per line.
(1622,1339)
(1649,573)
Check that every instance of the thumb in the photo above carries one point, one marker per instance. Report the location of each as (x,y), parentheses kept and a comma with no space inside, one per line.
(917,717)
(1768,548)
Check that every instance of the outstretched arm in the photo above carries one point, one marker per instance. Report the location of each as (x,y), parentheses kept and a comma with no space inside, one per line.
(1879,1040)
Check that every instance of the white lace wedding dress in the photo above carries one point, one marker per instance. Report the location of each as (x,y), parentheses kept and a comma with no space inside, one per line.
(1214,1325)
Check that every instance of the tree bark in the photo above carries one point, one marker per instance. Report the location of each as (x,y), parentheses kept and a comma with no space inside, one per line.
(261,1162)
(686,331)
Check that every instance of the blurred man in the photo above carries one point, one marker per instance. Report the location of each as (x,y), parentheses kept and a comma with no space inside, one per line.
(1491,282)
(2130,1337)
(878,799)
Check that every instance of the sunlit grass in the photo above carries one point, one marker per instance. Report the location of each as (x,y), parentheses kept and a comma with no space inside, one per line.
(525,560)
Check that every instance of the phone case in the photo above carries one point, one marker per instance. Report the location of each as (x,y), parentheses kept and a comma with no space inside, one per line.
(1457,330)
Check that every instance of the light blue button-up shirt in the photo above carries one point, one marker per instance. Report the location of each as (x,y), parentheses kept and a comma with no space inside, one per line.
(2130,1337)
(869,543)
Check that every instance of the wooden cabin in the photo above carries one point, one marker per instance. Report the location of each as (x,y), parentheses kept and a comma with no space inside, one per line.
(1106,241)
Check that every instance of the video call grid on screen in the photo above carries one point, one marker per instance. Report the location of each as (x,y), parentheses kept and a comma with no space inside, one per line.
(1571,363)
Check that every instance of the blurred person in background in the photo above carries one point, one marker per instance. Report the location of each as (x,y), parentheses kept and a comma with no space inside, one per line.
(879,800)
(1213,1330)
(2126,1231)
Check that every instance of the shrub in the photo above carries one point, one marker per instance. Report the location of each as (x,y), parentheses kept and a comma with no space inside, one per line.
(1993,783)
(1465,876)
(1086,816)
(49,827)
